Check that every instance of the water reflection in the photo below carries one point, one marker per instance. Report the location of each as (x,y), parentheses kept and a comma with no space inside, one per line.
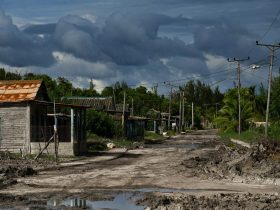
(122,201)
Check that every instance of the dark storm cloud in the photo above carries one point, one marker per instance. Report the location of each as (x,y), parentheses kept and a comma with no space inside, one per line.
(77,36)
(124,40)
(20,49)
(133,41)
(226,38)
(40,29)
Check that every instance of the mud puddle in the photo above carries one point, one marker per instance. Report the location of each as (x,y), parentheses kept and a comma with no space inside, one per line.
(97,199)
(120,201)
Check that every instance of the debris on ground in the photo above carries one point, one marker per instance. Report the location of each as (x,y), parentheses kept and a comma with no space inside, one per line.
(222,201)
(13,166)
(10,173)
(111,145)
(258,164)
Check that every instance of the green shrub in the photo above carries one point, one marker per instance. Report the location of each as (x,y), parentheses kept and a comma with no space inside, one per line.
(101,124)
(274,131)
(152,135)
(96,146)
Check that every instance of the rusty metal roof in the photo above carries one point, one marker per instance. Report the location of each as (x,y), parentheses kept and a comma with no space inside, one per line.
(19,90)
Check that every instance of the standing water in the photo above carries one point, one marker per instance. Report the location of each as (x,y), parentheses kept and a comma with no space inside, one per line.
(122,201)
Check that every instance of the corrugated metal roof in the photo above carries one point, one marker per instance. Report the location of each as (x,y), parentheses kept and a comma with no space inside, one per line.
(19,90)
(97,103)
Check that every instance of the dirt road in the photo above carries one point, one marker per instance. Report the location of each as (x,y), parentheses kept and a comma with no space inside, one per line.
(155,168)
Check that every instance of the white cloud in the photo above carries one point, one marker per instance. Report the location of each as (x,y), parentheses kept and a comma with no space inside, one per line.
(89,17)
(215,62)
(68,65)
(164,61)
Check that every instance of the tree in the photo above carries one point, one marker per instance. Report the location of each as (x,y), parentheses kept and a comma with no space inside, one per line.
(260,99)
(100,124)
(275,99)
(204,98)
(228,115)
(11,76)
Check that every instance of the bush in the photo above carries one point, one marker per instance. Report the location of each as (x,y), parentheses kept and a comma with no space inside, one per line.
(101,124)
(274,131)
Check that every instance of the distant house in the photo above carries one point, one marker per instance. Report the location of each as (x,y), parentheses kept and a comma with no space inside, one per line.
(134,127)
(27,119)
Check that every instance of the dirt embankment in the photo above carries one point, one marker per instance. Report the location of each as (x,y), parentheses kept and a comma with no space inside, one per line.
(218,202)
(12,167)
(259,164)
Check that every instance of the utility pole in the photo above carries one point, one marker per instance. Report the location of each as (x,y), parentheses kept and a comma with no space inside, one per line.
(155,88)
(123,109)
(238,88)
(183,111)
(180,107)
(114,98)
(180,112)
(216,105)
(272,48)
(55,135)
(192,116)
(132,108)
(169,110)
(205,117)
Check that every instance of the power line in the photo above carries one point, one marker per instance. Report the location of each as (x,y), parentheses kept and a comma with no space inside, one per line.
(198,76)
(266,32)
(270,26)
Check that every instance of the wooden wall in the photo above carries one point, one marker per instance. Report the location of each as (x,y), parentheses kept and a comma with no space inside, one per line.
(15,128)
(134,129)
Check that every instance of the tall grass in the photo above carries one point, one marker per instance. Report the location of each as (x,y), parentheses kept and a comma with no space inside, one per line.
(255,134)
(274,131)
(248,136)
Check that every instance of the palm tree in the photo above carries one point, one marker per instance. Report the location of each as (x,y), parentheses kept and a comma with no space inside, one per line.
(227,119)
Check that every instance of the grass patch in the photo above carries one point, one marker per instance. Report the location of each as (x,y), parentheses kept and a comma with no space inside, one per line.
(274,131)
(255,134)
(123,142)
(95,146)
(97,143)
(171,133)
(249,136)
(152,136)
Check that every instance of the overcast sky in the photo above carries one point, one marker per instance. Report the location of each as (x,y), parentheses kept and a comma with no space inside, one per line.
(140,42)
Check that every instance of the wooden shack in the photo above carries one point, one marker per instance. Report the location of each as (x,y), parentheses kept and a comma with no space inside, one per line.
(135,127)
(27,119)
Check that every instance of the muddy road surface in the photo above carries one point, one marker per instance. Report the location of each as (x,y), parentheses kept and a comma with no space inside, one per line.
(179,173)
